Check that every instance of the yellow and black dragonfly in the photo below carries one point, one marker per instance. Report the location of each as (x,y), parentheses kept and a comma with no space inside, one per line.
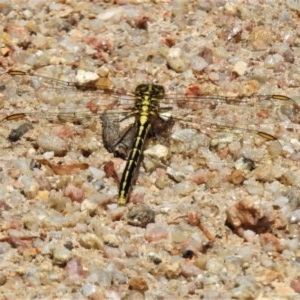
(148,112)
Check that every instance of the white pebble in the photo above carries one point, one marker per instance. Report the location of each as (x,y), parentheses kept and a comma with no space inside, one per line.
(61,255)
(240,68)
(272,61)
(185,188)
(88,289)
(281,201)
(85,76)
(295,216)
(198,63)
(214,266)
(50,142)
(176,60)
(158,152)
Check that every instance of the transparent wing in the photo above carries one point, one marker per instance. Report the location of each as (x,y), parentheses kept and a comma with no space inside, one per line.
(269,116)
(48,97)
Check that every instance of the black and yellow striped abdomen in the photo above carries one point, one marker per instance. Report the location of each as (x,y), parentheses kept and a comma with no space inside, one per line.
(146,109)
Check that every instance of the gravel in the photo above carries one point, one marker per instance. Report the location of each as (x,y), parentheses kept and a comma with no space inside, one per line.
(211,216)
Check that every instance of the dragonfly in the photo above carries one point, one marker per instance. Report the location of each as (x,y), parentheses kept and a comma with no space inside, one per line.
(148,112)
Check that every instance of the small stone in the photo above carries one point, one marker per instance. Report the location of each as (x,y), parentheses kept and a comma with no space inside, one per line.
(270,243)
(214,266)
(50,142)
(288,56)
(236,177)
(158,152)
(61,255)
(261,38)
(240,68)
(74,193)
(172,271)
(247,215)
(201,261)
(254,187)
(140,215)
(91,241)
(185,188)
(198,63)
(295,285)
(155,258)
(3,279)
(272,61)
(154,156)
(176,175)
(178,236)
(112,252)
(189,270)
(293,4)
(84,77)
(138,283)
(176,60)
(88,289)
(155,232)
(74,268)
(111,240)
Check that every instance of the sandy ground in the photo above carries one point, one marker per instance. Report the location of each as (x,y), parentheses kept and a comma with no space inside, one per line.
(214,214)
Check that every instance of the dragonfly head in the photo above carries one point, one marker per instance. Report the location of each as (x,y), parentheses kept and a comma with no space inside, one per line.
(150,90)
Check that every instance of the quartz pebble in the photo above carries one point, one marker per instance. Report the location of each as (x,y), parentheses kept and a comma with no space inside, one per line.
(61,255)
(155,232)
(85,77)
(53,143)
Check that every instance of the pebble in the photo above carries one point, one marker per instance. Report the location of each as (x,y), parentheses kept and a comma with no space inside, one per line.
(236,177)
(53,143)
(189,270)
(158,152)
(155,156)
(176,60)
(140,215)
(176,175)
(185,188)
(84,77)
(260,38)
(112,252)
(240,68)
(3,279)
(270,243)
(155,232)
(155,258)
(295,216)
(248,215)
(198,63)
(74,193)
(178,236)
(273,61)
(295,283)
(247,289)
(138,283)
(61,255)
(89,289)
(111,240)
(91,241)
(214,266)
(293,4)
(253,187)
(171,270)
(74,268)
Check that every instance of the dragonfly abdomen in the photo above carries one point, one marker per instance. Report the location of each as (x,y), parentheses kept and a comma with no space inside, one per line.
(133,161)
(147,108)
